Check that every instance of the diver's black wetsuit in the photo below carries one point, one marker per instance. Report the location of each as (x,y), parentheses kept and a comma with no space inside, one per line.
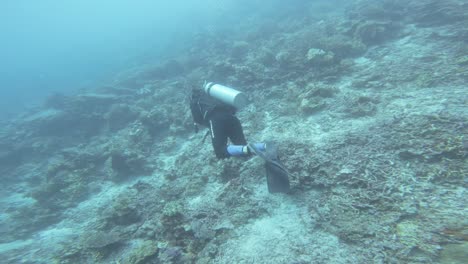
(224,125)
(220,119)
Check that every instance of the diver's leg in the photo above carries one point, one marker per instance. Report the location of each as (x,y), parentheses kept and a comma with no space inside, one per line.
(218,136)
(236,133)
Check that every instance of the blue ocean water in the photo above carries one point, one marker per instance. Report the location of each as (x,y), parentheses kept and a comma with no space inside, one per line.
(61,46)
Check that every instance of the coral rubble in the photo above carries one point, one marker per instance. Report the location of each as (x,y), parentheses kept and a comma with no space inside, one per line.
(368,105)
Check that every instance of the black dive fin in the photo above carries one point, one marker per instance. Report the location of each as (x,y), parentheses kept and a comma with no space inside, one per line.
(276,173)
(277,178)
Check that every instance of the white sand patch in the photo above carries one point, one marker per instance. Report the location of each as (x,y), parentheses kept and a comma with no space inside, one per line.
(286,236)
(15,245)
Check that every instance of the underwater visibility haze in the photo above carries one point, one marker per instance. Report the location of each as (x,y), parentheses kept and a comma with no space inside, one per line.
(62,46)
(123,139)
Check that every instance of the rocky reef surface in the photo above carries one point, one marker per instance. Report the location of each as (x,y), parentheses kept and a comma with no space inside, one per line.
(368,104)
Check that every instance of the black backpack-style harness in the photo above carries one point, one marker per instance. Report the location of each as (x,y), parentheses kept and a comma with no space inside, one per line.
(202,105)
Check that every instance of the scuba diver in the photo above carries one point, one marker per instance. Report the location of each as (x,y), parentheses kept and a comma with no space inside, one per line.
(215,107)
(219,117)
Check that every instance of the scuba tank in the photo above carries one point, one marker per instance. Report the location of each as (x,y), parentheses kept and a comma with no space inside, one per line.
(226,95)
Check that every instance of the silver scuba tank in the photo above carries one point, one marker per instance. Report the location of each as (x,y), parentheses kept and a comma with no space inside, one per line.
(226,94)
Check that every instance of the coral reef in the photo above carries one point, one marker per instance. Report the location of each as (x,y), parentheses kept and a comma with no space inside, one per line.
(318,56)
(144,252)
(436,13)
(368,105)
